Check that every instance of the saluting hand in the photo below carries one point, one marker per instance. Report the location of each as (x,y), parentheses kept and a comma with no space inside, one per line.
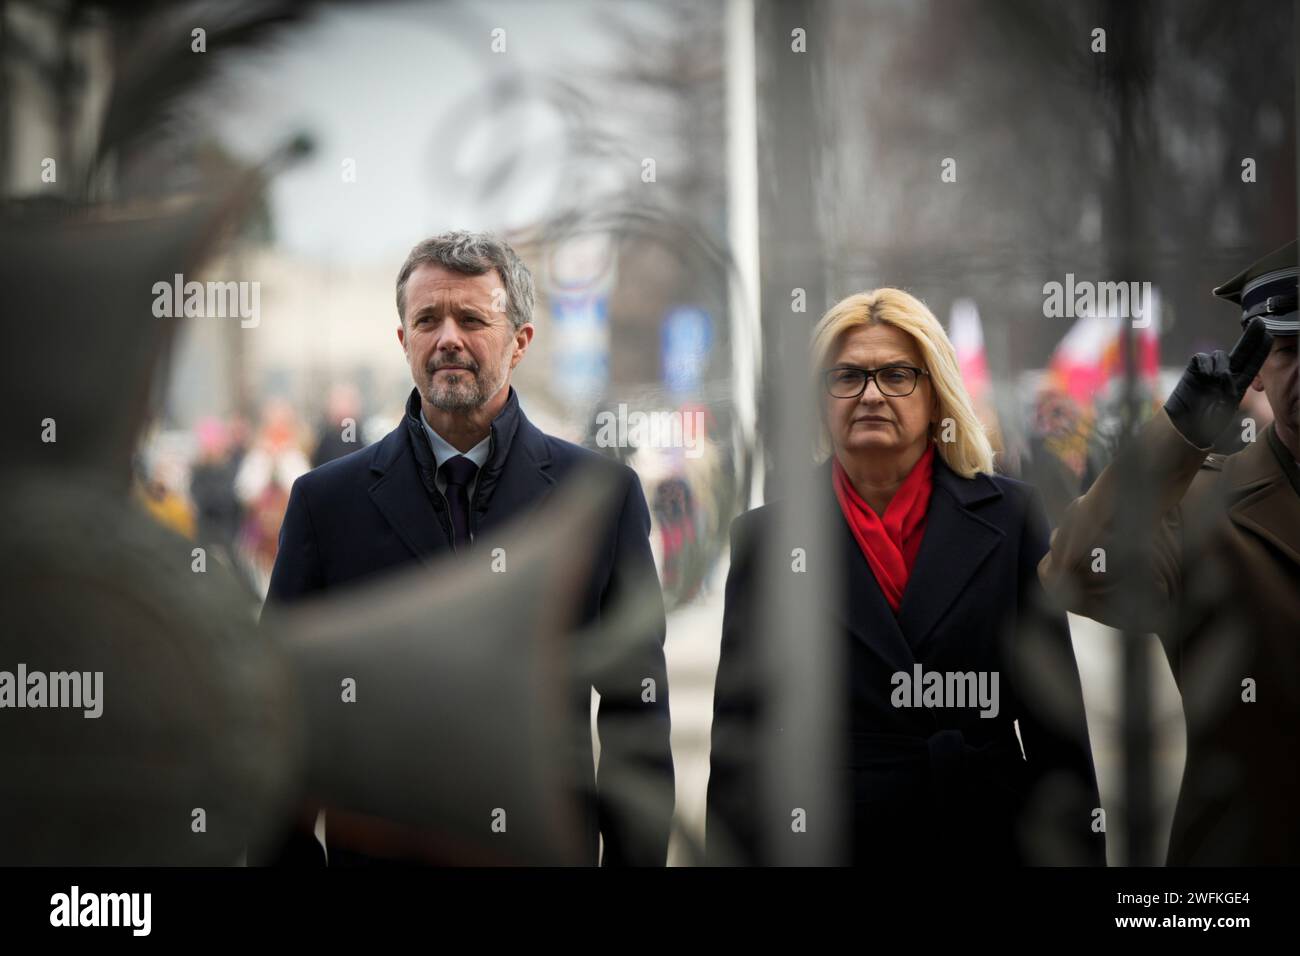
(1206,397)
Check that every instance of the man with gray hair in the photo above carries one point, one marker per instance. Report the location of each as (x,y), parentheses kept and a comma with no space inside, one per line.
(462,464)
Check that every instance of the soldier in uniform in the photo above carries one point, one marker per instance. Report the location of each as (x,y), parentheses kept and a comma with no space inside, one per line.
(1217,572)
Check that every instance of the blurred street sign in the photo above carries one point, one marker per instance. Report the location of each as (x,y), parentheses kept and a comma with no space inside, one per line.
(580,278)
(687,340)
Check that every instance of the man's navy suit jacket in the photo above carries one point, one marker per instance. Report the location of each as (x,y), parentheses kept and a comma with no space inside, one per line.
(377,510)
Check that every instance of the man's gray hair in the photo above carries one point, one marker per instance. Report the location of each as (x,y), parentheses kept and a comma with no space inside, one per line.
(474,254)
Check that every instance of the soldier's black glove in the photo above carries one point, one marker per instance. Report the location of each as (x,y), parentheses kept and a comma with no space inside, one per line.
(1206,397)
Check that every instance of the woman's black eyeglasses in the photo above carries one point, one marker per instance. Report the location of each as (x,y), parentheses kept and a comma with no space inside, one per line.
(894,381)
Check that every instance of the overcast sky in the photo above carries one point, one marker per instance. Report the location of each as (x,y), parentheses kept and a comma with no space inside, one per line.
(400,89)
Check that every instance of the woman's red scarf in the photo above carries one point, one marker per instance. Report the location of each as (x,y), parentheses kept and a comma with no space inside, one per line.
(890,542)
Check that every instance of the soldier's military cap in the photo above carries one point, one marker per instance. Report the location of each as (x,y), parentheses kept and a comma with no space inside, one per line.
(1267,288)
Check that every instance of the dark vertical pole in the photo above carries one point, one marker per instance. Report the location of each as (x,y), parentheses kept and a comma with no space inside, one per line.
(68,87)
(1126,73)
(801,808)
(6,106)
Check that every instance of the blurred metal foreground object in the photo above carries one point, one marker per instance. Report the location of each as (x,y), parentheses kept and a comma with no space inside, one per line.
(82,346)
(199,709)
(803,660)
(457,745)
(192,716)
(460,707)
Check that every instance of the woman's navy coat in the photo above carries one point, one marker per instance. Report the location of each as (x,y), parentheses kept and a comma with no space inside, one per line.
(920,785)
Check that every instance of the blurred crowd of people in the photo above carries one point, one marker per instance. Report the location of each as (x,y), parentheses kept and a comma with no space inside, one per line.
(225,484)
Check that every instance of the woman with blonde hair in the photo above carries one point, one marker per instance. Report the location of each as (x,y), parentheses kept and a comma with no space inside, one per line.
(954,750)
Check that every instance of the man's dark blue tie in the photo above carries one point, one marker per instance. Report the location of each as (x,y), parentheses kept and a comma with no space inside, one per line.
(459,471)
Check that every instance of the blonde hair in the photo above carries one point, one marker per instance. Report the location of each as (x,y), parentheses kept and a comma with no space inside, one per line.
(971,452)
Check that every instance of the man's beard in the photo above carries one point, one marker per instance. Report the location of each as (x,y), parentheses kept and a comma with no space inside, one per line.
(464,391)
